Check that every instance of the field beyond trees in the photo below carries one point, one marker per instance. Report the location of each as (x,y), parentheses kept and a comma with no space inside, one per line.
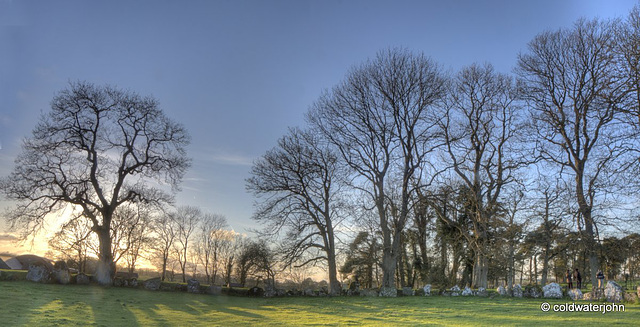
(30,304)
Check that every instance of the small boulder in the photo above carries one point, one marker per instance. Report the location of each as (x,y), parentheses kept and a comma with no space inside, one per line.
(61,273)
(467,291)
(193,286)
(82,279)
(388,292)
(369,292)
(153,284)
(308,292)
(552,291)
(482,292)
(427,290)
(532,291)
(613,292)
(502,291)
(408,291)
(38,273)
(455,290)
(214,290)
(255,291)
(575,294)
(630,297)
(517,291)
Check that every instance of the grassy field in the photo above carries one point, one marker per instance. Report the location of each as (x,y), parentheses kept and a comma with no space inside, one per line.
(30,304)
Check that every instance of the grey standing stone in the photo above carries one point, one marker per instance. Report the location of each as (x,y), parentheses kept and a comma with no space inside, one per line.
(482,292)
(502,290)
(613,292)
(82,279)
(575,294)
(467,291)
(552,291)
(533,291)
(517,291)
(61,273)
(39,273)
(388,292)
(427,290)
(368,292)
(153,284)
(408,291)
(455,290)
(215,290)
(193,286)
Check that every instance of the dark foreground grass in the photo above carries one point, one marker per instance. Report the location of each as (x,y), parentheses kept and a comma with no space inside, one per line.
(30,304)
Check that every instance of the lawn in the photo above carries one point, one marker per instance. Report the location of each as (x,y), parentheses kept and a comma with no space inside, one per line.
(30,304)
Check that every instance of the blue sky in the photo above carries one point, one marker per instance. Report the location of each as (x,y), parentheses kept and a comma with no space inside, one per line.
(238,73)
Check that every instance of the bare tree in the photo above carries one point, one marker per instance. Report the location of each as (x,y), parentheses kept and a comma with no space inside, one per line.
(299,182)
(479,128)
(98,148)
(380,119)
(165,235)
(72,241)
(186,219)
(229,249)
(211,239)
(574,93)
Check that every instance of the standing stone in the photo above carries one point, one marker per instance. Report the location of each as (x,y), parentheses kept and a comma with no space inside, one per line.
(502,290)
(388,292)
(38,273)
(214,290)
(613,292)
(82,279)
(61,272)
(408,291)
(368,292)
(153,284)
(427,290)
(630,297)
(532,291)
(482,292)
(467,291)
(455,290)
(517,291)
(575,294)
(552,291)
(193,286)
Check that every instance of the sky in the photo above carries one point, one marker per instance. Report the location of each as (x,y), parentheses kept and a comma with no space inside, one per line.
(237,74)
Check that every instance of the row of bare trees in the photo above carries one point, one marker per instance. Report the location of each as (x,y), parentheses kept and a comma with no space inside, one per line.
(480,155)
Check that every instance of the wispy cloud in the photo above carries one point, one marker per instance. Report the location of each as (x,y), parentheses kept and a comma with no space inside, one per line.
(223,158)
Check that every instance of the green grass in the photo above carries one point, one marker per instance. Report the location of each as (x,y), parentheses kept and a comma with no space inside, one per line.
(30,304)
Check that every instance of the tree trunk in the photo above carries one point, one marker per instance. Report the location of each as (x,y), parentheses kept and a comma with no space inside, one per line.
(334,285)
(545,266)
(480,270)
(164,267)
(106,268)
(511,273)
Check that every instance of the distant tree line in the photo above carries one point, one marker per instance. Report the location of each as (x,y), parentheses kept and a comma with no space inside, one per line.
(466,178)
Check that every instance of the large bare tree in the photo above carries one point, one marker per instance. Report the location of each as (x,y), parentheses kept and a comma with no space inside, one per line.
(574,93)
(98,148)
(380,119)
(298,183)
(479,128)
